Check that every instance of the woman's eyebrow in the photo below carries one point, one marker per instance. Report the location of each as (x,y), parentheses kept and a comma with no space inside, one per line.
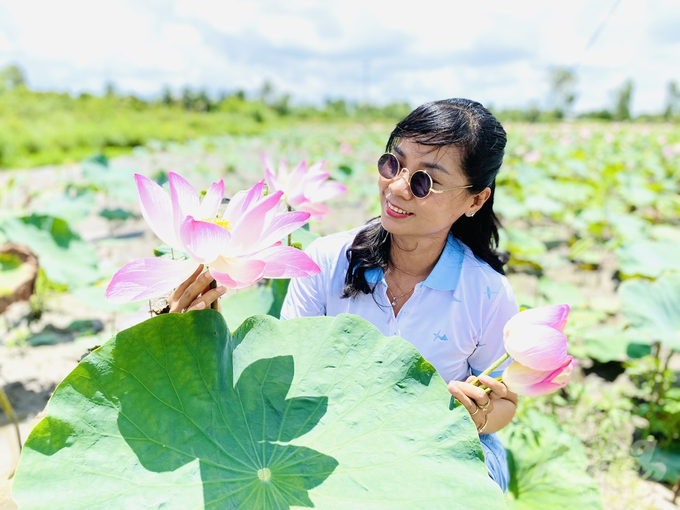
(435,166)
(432,166)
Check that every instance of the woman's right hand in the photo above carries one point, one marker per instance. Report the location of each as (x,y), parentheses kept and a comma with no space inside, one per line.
(195,293)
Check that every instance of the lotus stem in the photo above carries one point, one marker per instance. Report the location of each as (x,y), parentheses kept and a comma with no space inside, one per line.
(214,304)
(9,411)
(290,236)
(475,381)
(493,367)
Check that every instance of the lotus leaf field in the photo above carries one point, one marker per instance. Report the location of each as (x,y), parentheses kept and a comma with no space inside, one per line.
(239,410)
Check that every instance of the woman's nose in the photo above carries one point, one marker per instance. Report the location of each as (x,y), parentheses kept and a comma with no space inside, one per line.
(400,184)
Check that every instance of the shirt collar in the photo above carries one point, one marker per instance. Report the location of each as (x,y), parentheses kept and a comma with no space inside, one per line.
(446,272)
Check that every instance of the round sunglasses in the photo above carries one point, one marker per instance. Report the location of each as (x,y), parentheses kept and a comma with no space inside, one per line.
(420,181)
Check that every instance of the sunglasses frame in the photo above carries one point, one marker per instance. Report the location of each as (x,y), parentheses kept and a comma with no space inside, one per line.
(411,175)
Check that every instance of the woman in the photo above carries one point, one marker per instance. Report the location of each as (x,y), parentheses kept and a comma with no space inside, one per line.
(426,269)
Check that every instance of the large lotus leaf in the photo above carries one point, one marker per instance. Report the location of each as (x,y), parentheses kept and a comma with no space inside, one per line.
(69,207)
(609,343)
(523,246)
(560,292)
(115,180)
(241,305)
(547,467)
(652,308)
(177,413)
(64,256)
(649,258)
(660,464)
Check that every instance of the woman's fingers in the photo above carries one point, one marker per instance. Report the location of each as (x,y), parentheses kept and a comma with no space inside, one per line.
(498,388)
(472,397)
(177,293)
(461,397)
(205,300)
(181,300)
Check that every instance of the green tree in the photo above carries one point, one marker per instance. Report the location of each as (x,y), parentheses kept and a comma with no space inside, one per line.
(10,77)
(623,97)
(110,89)
(166,96)
(562,91)
(188,98)
(267,92)
(672,109)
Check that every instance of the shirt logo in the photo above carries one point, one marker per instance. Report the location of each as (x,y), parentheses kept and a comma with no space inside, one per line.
(438,336)
(490,292)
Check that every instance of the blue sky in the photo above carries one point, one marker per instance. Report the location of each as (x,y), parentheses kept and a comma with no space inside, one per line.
(499,53)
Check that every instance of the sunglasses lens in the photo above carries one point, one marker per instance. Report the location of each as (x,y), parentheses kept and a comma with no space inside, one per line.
(420,184)
(388,166)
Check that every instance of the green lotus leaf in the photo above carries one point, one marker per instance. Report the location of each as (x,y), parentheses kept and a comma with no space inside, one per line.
(652,309)
(63,255)
(660,464)
(239,306)
(177,413)
(612,343)
(649,258)
(523,246)
(547,466)
(561,292)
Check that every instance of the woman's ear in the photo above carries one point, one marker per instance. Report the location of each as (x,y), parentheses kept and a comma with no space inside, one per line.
(480,198)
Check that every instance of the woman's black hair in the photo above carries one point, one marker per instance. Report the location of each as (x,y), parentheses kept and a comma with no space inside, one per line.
(481,139)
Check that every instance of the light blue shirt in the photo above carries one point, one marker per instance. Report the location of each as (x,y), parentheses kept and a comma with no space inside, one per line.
(455,317)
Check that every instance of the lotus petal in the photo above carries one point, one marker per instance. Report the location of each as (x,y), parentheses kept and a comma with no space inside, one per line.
(238,272)
(211,202)
(304,186)
(242,201)
(203,241)
(156,208)
(287,262)
(328,190)
(316,211)
(147,278)
(538,347)
(185,201)
(531,383)
(554,316)
(248,229)
(282,225)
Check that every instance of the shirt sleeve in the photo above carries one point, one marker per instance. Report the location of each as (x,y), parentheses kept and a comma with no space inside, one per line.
(490,345)
(306,297)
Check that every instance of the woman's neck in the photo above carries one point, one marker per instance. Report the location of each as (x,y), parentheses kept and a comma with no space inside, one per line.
(416,257)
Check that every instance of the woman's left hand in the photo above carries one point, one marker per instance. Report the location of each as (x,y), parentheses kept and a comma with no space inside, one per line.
(477,402)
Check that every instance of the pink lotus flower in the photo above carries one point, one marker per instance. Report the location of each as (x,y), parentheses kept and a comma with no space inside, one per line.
(240,248)
(532,383)
(535,339)
(303,188)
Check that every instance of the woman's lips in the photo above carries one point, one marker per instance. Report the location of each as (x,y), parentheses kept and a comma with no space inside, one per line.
(394,211)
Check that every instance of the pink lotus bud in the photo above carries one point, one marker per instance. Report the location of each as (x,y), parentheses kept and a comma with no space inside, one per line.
(532,383)
(534,337)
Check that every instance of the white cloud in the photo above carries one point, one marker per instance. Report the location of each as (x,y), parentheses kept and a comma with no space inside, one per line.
(497,52)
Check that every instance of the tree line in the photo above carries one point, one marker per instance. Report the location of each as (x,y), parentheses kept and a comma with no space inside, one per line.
(267,102)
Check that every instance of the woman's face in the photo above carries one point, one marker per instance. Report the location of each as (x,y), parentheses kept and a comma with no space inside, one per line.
(402,214)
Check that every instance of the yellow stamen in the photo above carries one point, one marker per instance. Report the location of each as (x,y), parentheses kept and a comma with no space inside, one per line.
(219,222)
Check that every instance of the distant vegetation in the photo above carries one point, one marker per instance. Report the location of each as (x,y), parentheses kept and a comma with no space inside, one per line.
(40,128)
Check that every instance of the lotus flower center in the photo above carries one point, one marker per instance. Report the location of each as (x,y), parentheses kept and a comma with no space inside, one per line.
(218,221)
(264,474)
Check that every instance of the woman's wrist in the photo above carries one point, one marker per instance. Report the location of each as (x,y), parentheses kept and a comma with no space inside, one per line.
(502,414)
